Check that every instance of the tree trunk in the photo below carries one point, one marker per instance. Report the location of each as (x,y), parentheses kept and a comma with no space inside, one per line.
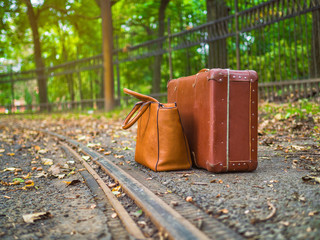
(156,84)
(315,45)
(41,77)
(217,49)
(107,47)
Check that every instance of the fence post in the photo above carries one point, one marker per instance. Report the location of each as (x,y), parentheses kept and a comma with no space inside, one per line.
(237,34)
(169,49)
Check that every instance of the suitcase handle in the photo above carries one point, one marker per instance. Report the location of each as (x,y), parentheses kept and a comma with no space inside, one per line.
(204,70)
(142,106)
(140,96)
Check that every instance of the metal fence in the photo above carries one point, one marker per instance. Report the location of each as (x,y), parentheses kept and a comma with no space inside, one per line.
(280,39)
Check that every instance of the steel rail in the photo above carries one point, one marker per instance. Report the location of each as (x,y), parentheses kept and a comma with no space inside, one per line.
(126,219)
(161,214)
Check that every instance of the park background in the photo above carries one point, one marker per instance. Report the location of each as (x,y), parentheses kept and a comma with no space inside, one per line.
(69,54)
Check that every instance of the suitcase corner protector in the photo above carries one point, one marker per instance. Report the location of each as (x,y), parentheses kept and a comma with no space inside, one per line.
(215,167)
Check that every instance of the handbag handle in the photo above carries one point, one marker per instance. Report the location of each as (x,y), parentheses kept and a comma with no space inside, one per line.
(140,96)
(142,106)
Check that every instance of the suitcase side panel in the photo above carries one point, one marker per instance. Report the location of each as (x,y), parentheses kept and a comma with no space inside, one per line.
(235,146)
(193,97)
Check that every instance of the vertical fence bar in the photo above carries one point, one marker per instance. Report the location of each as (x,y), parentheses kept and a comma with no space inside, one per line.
(237,34)
(12,89)
(118,69)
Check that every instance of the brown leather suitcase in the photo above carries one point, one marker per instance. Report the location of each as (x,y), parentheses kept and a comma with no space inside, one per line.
(219,113)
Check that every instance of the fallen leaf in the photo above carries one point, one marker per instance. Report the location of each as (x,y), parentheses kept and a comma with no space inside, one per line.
(54,169)
(284,223)
(41,174)
(137,213)
(29,185)
(43,151)
(116,191)
(278,116)
(274,181)
(9,169)
(72,183)
(15,183)
(189,199)
(60,176)
(93,206)
(107,153)
(4,183)
(29,182)
(26,176)
(111,185)
(298,148)
(114,215)
(118,156)
(311,179)
(10,154)
(93,144)
(142,224)
(18,179)
(47,161)
(30,218)
(223,211)
(313,213)
(37,148)
(86,158)
(80,138)
(7,197)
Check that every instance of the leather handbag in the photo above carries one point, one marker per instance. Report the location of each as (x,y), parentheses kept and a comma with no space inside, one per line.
(161,143)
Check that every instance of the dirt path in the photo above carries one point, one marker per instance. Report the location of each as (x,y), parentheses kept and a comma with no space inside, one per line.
(280,200)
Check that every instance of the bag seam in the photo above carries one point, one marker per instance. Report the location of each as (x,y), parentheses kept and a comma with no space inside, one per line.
(158,138)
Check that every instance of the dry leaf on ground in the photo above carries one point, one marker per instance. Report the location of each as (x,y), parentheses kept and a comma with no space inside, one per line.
(30,218)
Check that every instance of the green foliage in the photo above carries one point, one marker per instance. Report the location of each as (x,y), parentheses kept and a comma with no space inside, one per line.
(301,109)
(71,29)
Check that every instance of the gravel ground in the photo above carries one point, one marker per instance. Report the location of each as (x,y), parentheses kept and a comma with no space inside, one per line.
(273,202)
(71,209)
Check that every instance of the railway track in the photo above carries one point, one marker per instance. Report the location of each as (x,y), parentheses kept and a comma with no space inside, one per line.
(181,221)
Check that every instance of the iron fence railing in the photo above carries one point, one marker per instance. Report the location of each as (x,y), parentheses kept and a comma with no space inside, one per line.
(280,39)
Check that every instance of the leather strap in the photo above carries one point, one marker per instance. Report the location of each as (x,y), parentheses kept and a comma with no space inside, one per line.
(140,96)
(228,119)
(142,106)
